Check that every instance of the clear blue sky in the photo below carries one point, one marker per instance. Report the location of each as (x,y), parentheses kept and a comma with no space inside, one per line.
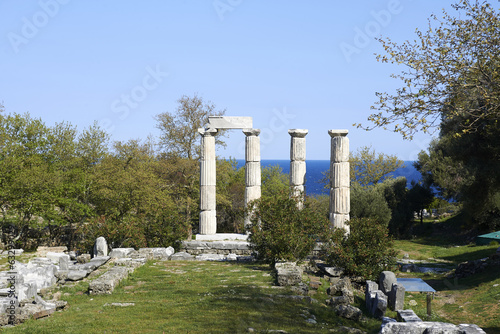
(286,63)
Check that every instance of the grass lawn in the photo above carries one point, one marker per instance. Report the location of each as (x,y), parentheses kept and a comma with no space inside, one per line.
(193,297)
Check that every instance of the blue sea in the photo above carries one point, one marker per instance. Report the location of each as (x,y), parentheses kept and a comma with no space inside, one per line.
(315,169)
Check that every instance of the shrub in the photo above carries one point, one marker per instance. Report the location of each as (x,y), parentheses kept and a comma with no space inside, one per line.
(281,231)
(366,251)
(369,202)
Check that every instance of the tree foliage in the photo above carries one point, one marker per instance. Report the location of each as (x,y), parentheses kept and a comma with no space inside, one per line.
(451,73)
(179,130)
(367,167)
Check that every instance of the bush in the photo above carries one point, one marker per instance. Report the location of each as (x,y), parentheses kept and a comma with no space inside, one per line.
(365,252)
(281,231)
(369,202)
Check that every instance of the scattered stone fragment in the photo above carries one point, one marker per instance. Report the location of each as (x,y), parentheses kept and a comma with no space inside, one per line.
(429,328)
(120,304)
(346,330)
(84,258)
(100,247)
(182,256)
(288,273)
(349,312)
(387,278)
(397,297)
(120,253)
(408,316)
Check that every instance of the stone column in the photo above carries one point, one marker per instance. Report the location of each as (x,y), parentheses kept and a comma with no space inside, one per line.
(339,179)
(297,162)
(208,221)
(252,168)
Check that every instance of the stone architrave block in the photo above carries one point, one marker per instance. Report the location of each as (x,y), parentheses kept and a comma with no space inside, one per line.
(252,193)
(100,247)
(340,174)
(397,297)
(207,197)
(340,200)
(208,222)
(252,145)
(297,173)
(386,280)
(208,173)
(340,149)
(230,122)
(252,174)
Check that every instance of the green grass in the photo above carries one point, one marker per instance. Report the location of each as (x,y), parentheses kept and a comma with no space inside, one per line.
(192,297)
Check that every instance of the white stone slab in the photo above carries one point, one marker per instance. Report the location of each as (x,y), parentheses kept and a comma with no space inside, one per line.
(222,236)
(230,122)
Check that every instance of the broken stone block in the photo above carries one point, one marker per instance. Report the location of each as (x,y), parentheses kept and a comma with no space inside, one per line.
(408,316)
(379,305)
(100,247)
(288,273)
(386,280)
(397,297)
(84,258)
(349,312)
(64,262)
(182,256)
(76,275)
(120,253)
(371,288)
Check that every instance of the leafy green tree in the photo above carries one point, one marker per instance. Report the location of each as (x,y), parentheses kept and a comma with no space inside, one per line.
(452,72)
(281,231)
(420,197)
(369,202)
(366,252)
(179,130)
(368,167)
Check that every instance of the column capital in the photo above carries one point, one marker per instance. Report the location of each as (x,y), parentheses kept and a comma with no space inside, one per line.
(300,133)
(207,131)
(251,132)
(338,133)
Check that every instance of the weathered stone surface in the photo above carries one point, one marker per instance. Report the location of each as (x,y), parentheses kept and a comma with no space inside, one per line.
(331,271)
(288,273)
(343,288)
(54,257)
(64,263)
(207,197)
(208,222)
(76,275)
(42,251)
(120,253)
(298,144)
(408,316)
(252,173)
(252,193)
(349,312)
(208,172)
(339,148)
(340,174)
(397,297)
(182,256)
(84,258)
(379,305)
(297,173)
(340,300)
(100,247)
(428,328)
(338,220)
(210,257)
(370,294)
(470,329)
(106,283)
(386,280)
(252,145)
(340,200)
(230,122)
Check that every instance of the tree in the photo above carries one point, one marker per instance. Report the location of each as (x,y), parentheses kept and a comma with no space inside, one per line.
(367,167)
(180,129)
(452,73)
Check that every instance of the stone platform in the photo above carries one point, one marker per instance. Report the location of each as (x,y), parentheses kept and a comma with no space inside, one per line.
(222,237)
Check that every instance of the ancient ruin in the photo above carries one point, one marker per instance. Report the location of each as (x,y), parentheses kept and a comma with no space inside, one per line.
(339,171)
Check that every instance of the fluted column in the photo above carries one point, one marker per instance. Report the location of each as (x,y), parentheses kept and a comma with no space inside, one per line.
(298,162)
(208,221)
(339,179)
(252,169)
